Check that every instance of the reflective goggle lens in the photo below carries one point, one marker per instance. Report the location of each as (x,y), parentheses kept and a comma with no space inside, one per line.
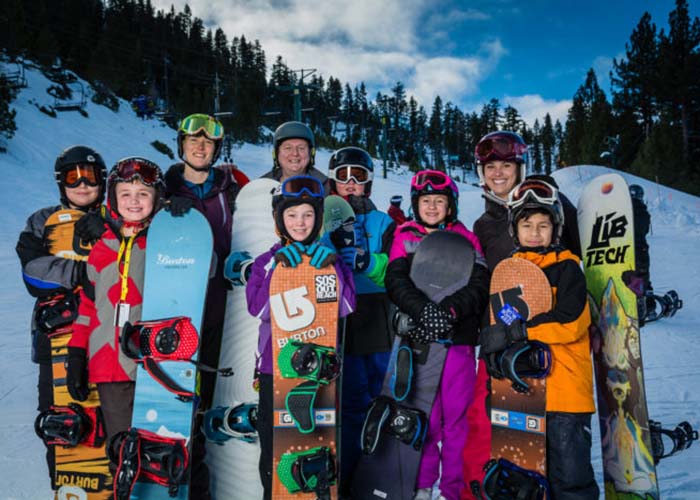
(136,168)
(436,179)
(539,190)
(302,185)
(498,149)
(75,174)
(193,124)
(357,173)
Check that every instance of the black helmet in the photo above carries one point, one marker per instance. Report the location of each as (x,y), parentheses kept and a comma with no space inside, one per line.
(294,130)
(637,192)
(349,157)
(296,191)
(201,124)
(75,155)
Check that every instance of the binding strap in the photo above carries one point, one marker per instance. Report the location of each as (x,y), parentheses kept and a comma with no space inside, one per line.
(506,481)
(408,425)
(142,453)
(56,311)
(312,471)
(402,373)
(682,438)
(70,426)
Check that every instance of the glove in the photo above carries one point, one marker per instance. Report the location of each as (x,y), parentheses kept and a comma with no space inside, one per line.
(79,275)
(90,227)
(321,255)
(290,255)
(349,235)
(436,321)
(496,338)
(356,258)
(237,268)
(179,205)
(76,374)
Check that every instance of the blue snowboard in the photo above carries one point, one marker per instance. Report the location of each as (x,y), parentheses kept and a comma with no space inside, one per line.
(441,266)
(178,259)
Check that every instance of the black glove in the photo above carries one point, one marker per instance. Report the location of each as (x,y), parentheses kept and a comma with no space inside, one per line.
(79,276)
(179,205)
(436,321)
(76,374)
(495,338)
(90,227)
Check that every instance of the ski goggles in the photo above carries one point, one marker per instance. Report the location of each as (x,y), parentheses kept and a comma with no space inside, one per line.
(537,190)
(499,148)
(194,124)
(302,185)
(347,173)
(433,178)
(74,175)
(130,169)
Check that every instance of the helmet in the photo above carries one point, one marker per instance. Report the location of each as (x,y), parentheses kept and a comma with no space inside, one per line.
(296,191)
(501,145)
(434,182)
(130,169)
(201,124)
(294,130)
(637,192)
(75,155)
(535,194)
(351,157)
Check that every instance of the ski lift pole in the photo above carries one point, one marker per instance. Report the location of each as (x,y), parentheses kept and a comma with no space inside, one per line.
(384,146)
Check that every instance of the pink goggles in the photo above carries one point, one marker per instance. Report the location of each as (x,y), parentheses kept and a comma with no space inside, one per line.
(437,180)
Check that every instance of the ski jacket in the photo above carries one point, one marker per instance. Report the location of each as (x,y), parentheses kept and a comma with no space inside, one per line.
(467,304)
(492,229)
(258,297)
(44,274)
(397,214)
(368,330)
(95,329)
(565,330)
(217,206)
(276,174)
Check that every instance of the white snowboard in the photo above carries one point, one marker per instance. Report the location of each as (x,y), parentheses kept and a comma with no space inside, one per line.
(234,465)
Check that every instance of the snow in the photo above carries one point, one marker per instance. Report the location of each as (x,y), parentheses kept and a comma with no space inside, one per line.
(671,366)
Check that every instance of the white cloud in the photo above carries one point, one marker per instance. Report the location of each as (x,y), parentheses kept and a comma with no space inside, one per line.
(534,106)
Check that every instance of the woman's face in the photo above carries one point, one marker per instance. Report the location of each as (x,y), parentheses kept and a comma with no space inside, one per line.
(501,177)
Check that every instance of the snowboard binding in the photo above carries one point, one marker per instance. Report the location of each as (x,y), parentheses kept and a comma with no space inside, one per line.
(682,438)
(669,304)
(172,339)
(223,423)
(57,311)
(309,361)
(402,373)
(71,425)
(408,425)
(505,481)
(312,471)
(159,459)
(524,359)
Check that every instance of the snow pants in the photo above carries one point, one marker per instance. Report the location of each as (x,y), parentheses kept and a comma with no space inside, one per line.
(448,424)
(264,428)
(477,450)
(363,376)
(569,467)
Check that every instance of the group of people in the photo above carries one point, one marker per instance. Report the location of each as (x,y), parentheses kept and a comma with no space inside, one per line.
(525,217)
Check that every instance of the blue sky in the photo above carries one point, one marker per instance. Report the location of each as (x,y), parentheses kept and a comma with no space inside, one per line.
(532,54)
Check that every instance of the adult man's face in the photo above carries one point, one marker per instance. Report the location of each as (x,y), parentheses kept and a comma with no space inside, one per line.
(293,156)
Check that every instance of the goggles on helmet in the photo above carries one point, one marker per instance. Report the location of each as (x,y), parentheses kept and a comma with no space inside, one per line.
(533,190)
(433,178)
(347,173)
(196,123)
(131,169)
(73,175)
(499,148)
(302,185)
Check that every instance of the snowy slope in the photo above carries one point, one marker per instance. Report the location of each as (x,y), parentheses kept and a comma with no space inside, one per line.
(669,346)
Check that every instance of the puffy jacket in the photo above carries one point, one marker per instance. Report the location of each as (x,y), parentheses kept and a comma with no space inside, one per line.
(565,330)
(95,328)
(258,297)
(467,304)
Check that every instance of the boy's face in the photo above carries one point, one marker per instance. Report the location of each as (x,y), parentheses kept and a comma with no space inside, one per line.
(135,201)
(501,177)
(299,221)
(82,195)
(198,150)
(433,208)
(535,231)
(349,188)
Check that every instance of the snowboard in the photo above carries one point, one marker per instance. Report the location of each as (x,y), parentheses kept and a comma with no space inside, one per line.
(304,316)
(605,220)
(233,465)
(442,264)
(178,260)
(82,471)
(336,212)
(518,417)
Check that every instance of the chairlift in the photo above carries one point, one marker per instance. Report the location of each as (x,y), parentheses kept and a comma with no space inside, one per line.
(16,78)
(76,100)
